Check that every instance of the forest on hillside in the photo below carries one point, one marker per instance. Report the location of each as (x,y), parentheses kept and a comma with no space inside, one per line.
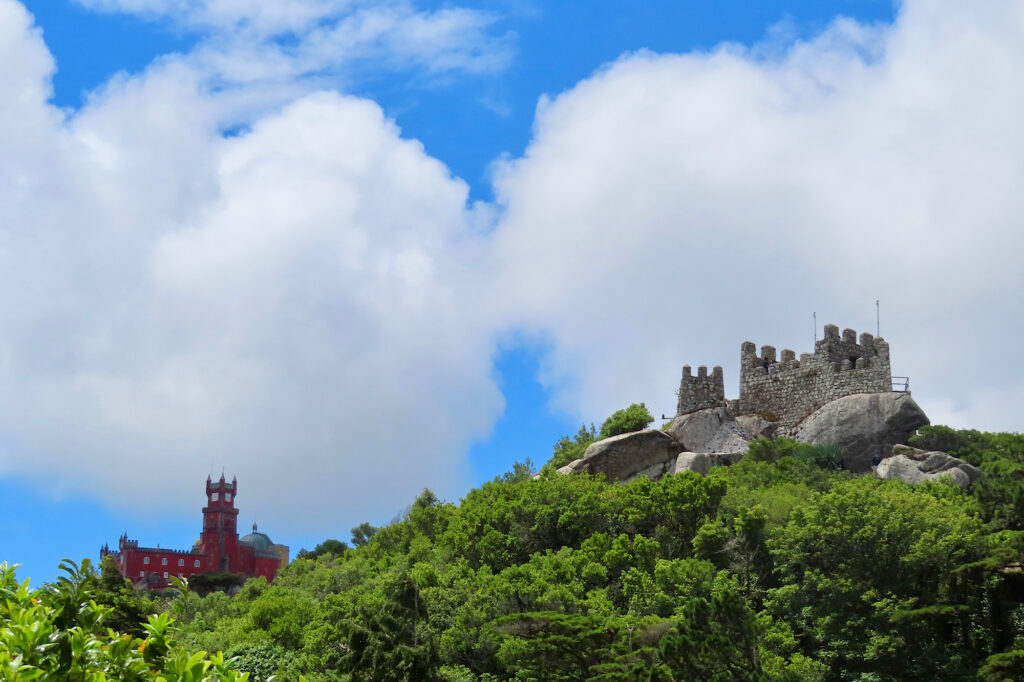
(780,567)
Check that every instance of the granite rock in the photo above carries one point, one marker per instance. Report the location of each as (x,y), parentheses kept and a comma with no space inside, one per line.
(710,430)
(864,425)
(624,456)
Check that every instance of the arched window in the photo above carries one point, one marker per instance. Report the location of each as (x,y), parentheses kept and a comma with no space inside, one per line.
(145,559)
(181,562)
(197,563)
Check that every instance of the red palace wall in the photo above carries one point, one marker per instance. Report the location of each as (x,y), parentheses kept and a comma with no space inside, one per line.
(218,550)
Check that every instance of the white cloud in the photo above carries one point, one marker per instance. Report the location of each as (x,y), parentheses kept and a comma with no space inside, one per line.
(312,305)
(289,303)
(670,207)
(245,41)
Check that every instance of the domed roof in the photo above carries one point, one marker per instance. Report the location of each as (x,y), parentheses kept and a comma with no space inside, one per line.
(256,540)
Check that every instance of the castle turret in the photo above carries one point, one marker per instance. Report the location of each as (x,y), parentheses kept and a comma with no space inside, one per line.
(219,538)
(701,391)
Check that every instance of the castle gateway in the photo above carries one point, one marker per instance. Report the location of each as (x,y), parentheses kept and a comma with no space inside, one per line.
(219,549)
(786,390)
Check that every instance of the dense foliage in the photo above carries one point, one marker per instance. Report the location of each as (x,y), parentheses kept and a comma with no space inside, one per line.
(780,567)
(632,418)
(59,632)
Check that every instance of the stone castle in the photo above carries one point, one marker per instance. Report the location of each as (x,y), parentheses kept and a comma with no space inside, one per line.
(787,390)
(842,395)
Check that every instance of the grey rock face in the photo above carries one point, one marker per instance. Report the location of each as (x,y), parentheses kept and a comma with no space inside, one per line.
(754,426)
(902,468)
(913,466)
(724,459)
(654,472)
(570,468)
(625,456)
(711,430)
(697,462)
(864,425)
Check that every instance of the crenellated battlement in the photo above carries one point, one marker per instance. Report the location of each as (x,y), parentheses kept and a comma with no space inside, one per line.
(701,391)
(782,388)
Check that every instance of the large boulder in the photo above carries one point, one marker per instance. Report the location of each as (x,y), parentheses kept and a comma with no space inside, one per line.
(864,425)
(703,462)
(913,466)
(697,462)
(755,426)
(625,456)
(710,430)
(909,471)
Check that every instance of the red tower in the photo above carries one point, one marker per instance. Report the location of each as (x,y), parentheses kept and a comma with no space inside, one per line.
(219,539)
(219,548)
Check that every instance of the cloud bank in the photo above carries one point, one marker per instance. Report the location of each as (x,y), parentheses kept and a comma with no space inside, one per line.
(672,206)
(313,304)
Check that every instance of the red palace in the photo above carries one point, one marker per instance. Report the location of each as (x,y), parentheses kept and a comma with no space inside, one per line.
(219,548)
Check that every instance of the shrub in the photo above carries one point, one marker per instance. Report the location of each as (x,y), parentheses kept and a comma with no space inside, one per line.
(633,418)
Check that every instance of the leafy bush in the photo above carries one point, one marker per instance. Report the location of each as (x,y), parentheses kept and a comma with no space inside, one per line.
(633,418)
(57,633)
(823,456)
(766,450)
(568,449)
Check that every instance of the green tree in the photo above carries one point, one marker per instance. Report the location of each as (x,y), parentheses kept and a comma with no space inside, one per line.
(870,582)
(555,646)
(58,633)
(129,607)
(636,417)
(363,533)
(331,546)
(569,449)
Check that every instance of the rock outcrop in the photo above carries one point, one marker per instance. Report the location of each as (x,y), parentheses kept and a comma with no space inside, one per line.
(864,425)
(628,455)
(913,466)
(869,427)
(697,462)
(754,426)
(710,430)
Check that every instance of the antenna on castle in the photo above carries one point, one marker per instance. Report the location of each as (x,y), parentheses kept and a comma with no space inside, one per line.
(878,319)
(815,328)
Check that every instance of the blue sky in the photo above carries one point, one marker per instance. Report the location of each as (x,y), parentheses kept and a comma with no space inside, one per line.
(347,262)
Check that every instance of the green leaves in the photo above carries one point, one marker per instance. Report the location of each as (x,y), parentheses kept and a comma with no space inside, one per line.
(56,633)
(633,418)
(778,567)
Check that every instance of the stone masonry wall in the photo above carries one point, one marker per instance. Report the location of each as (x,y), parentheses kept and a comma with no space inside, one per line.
(787,390)
(701,391)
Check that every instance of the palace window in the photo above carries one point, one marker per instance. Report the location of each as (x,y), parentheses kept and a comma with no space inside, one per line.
(145,559)
(163,562)
(227,497)
(214,497)
(165,574)
(181,562)
(142,574)
(197,563)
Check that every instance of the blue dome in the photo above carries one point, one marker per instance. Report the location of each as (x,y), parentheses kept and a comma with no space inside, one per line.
(258,541)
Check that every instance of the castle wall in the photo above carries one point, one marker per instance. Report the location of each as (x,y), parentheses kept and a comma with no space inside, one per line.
(218,549)
(788,390)
(701,391)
